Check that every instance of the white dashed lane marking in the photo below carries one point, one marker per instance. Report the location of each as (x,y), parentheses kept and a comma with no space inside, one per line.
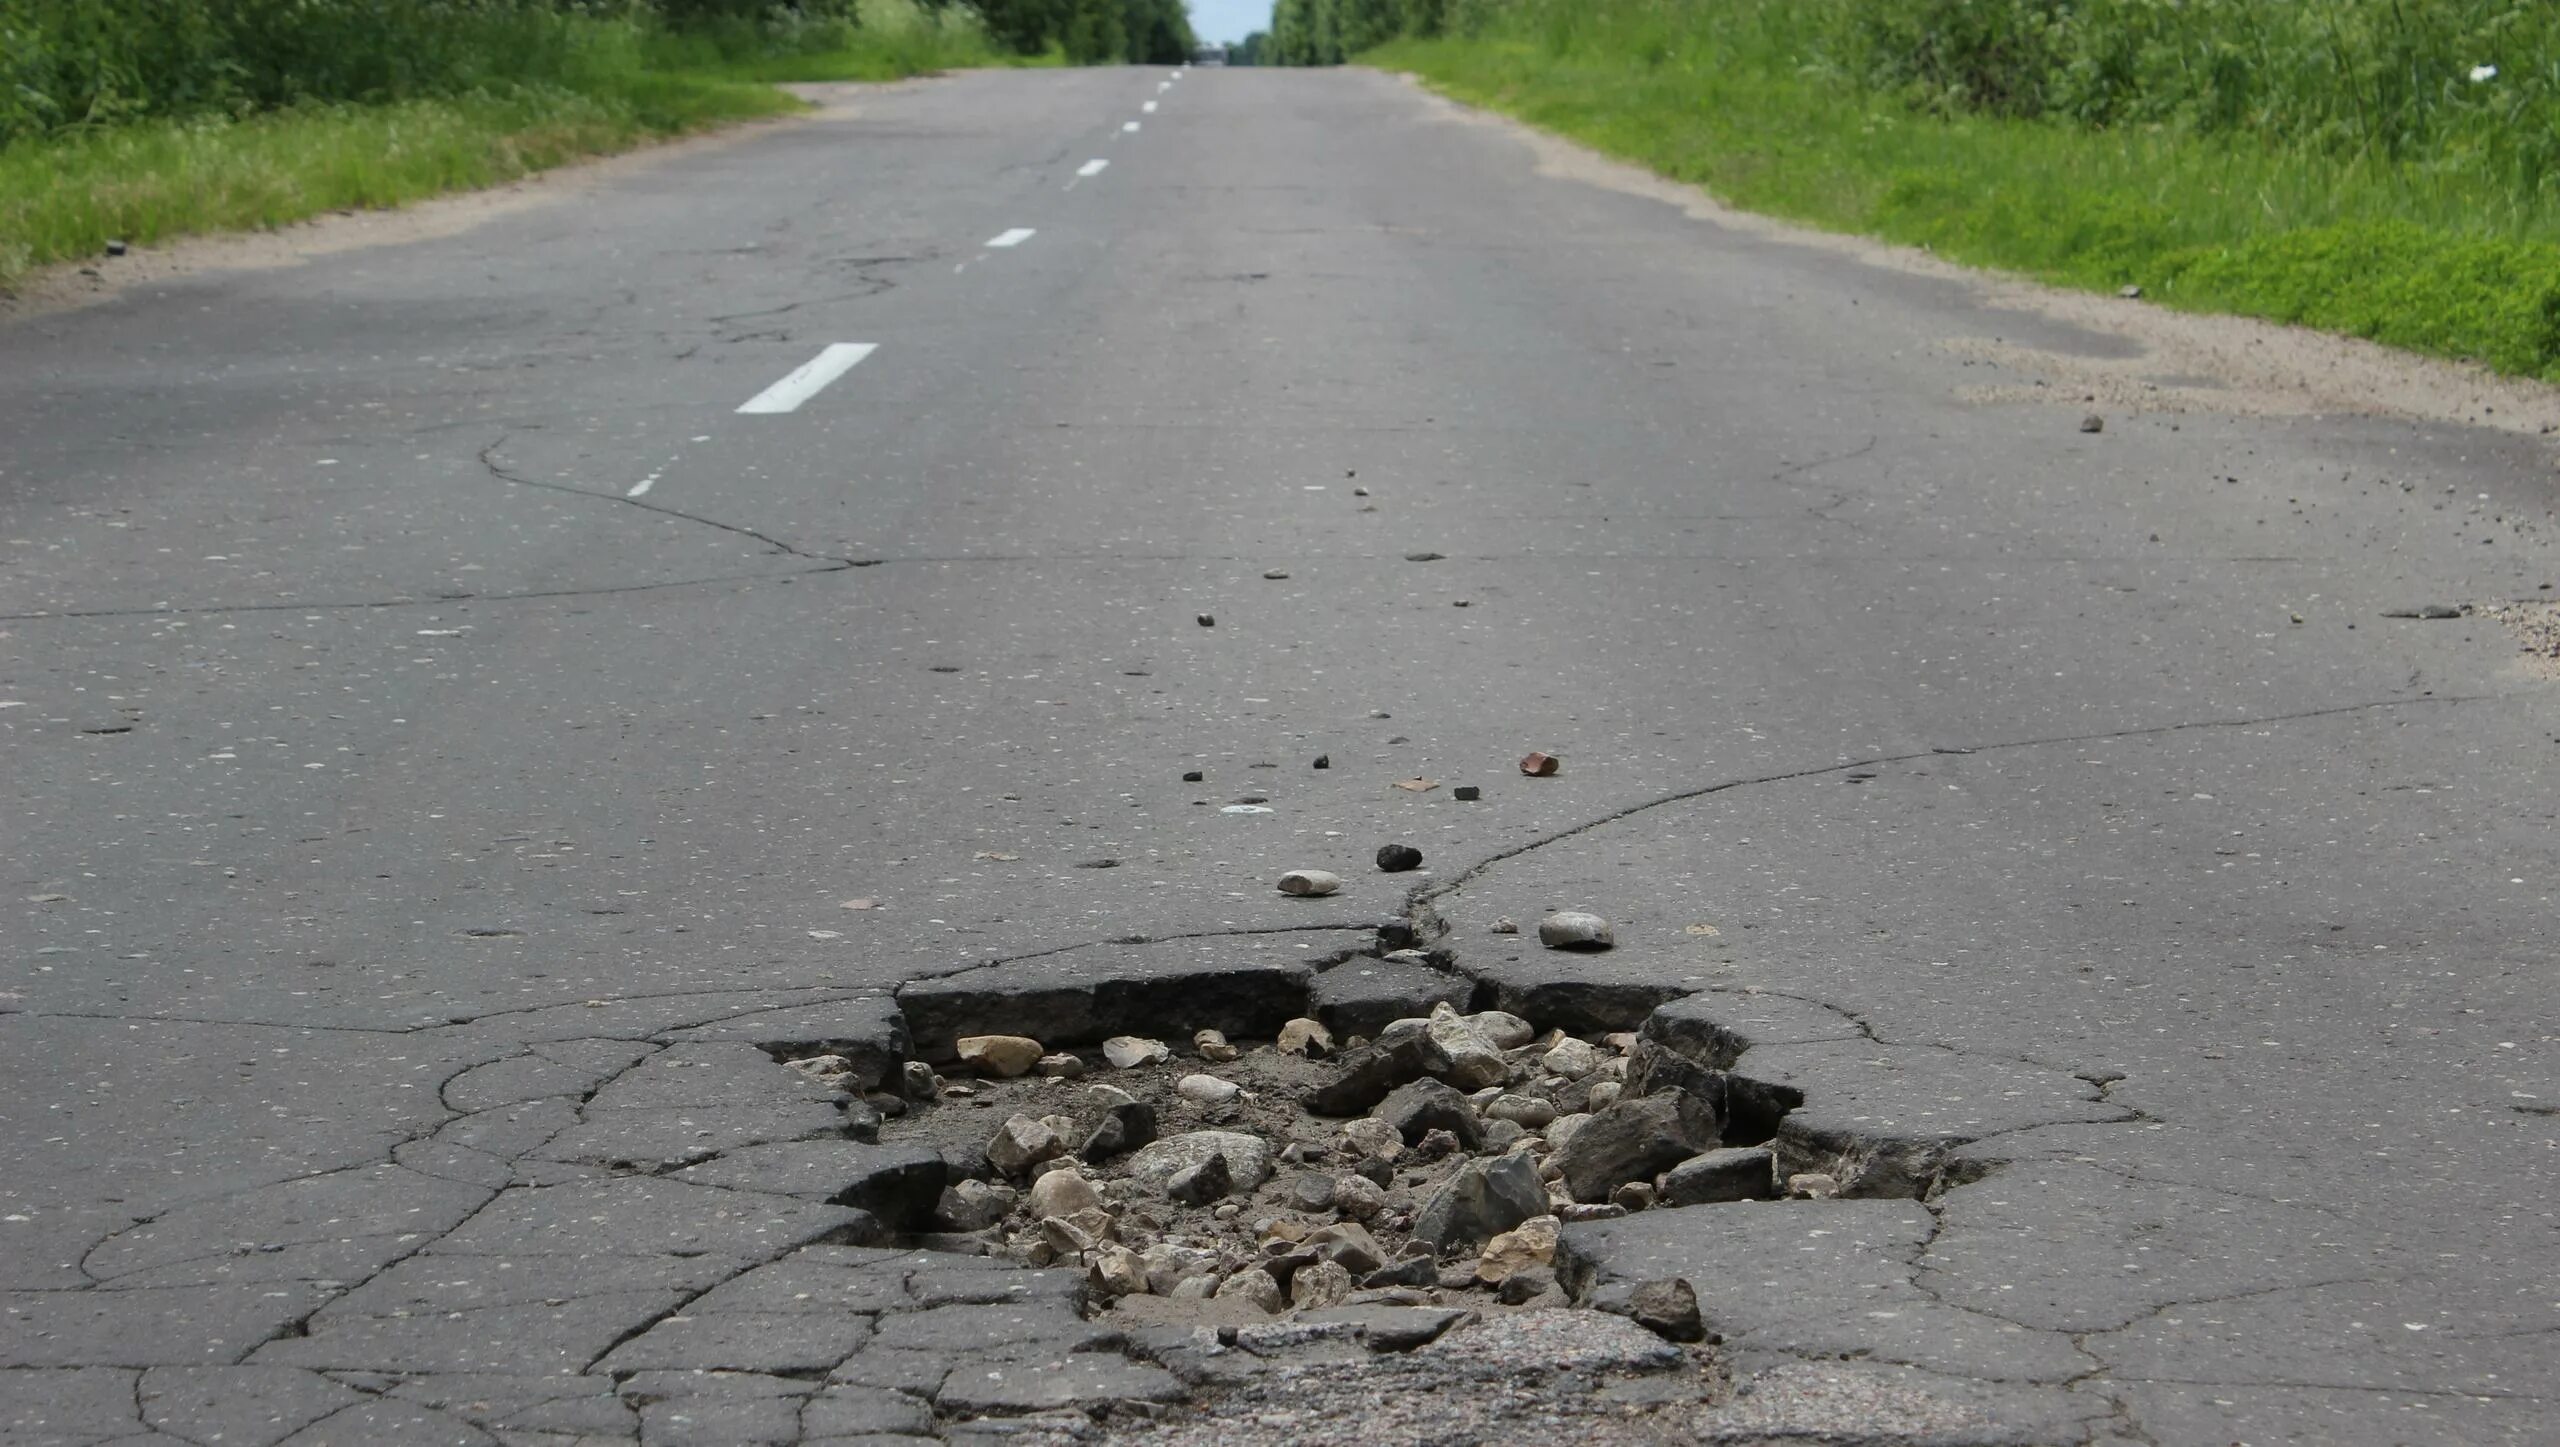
(809,378)
(1091,168)
(1015,237)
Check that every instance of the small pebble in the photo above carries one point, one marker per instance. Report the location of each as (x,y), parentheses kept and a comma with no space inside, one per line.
(1208,620)
(1466,793)
(2093,423)
(1397,858)
(1207,1089)
(1506,925)
(1307,883)
(1540,765)
(1212,1046)
(1193,776)
(1276,574)
(1425,556)
(1324,761)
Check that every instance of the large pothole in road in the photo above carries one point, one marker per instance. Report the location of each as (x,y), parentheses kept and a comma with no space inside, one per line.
(1197,1180)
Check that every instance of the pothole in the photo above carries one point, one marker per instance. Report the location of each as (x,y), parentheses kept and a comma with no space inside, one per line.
(1201,1181)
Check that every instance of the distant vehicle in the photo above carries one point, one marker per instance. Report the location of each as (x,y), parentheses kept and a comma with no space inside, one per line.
(1209,55)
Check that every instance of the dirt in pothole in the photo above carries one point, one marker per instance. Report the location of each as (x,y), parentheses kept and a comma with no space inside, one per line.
(1435,1196)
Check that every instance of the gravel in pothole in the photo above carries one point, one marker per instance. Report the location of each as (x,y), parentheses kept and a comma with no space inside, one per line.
(1226,1182)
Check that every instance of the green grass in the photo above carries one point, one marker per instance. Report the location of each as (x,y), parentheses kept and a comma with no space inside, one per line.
(2438,249)
(64,195)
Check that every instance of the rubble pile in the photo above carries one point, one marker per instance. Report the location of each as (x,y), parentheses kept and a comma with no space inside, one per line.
(1435,1164)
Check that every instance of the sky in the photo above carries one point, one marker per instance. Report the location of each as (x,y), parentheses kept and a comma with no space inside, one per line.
(1224,22)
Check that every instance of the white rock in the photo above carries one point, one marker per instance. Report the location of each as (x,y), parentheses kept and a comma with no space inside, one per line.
(1003,1056)
(1571,1058)
(1170,1263)
(1531,1243)
(1021,1143)
(1254,1285)
(1305,1037)
(1358,1197)
(1128,1052)
(1118,1271)
(1572,929)
(1474,1061)
(1248,1158)
(1309,882)
(1208,1090)
(1371,1136)
(1605,1093)
(1506,1030)
(1108,1096)
(1063,1193)
(1212,1046)
(1326,1283)
(1531,1112)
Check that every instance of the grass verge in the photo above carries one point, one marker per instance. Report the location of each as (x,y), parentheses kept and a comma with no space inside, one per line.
(65,195)
(2417,256)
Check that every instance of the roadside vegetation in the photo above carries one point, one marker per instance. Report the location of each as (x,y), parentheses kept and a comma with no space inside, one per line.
(140,120)
(2384,168)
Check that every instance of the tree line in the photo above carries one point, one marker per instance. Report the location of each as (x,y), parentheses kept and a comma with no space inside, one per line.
(1328,32)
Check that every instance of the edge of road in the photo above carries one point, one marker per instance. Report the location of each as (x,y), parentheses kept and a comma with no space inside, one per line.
(2264,368)
(71,285)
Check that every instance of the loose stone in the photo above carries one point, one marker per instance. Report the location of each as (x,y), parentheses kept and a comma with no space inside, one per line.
(1740,1173)
(1305,1037)
(1529,1284)
(1357,1197)
(1248,1157)
(1371,1136)
(1308,883)
(1129,1052)
(1207,1089)
(1021,1143)
(1062,1066)
(1212,1046)
(1002,1056)
(1812,1186)
(916,1081)
(2093,423)
(1572,929)
(1604,1094)
(825,1069)
(1633,1141)
(1193,776)
(1479,1201)
(1119,1271)
(1466,793)
(1123,1127)
(974,1205)
(1667,1307)
(1531,1243)
(1063,1192)
(1201,1184)
(1571,1058)
(1506,1030)
(1528,1110)
(1312,1192)
(1422,1106)
(1323,1284)
(1473,1061)
(1254,1285)
(1632,1196)
(1397,858)
(1540,765)
(1502,1135)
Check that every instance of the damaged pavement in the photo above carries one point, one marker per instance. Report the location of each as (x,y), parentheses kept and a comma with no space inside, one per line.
(420,875)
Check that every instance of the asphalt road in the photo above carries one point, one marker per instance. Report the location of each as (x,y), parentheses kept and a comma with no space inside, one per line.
(415,660)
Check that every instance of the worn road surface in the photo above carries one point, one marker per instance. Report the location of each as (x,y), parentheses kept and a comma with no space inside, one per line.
(451,691)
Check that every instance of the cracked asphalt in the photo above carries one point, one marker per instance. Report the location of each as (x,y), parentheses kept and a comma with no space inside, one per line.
(414,834)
